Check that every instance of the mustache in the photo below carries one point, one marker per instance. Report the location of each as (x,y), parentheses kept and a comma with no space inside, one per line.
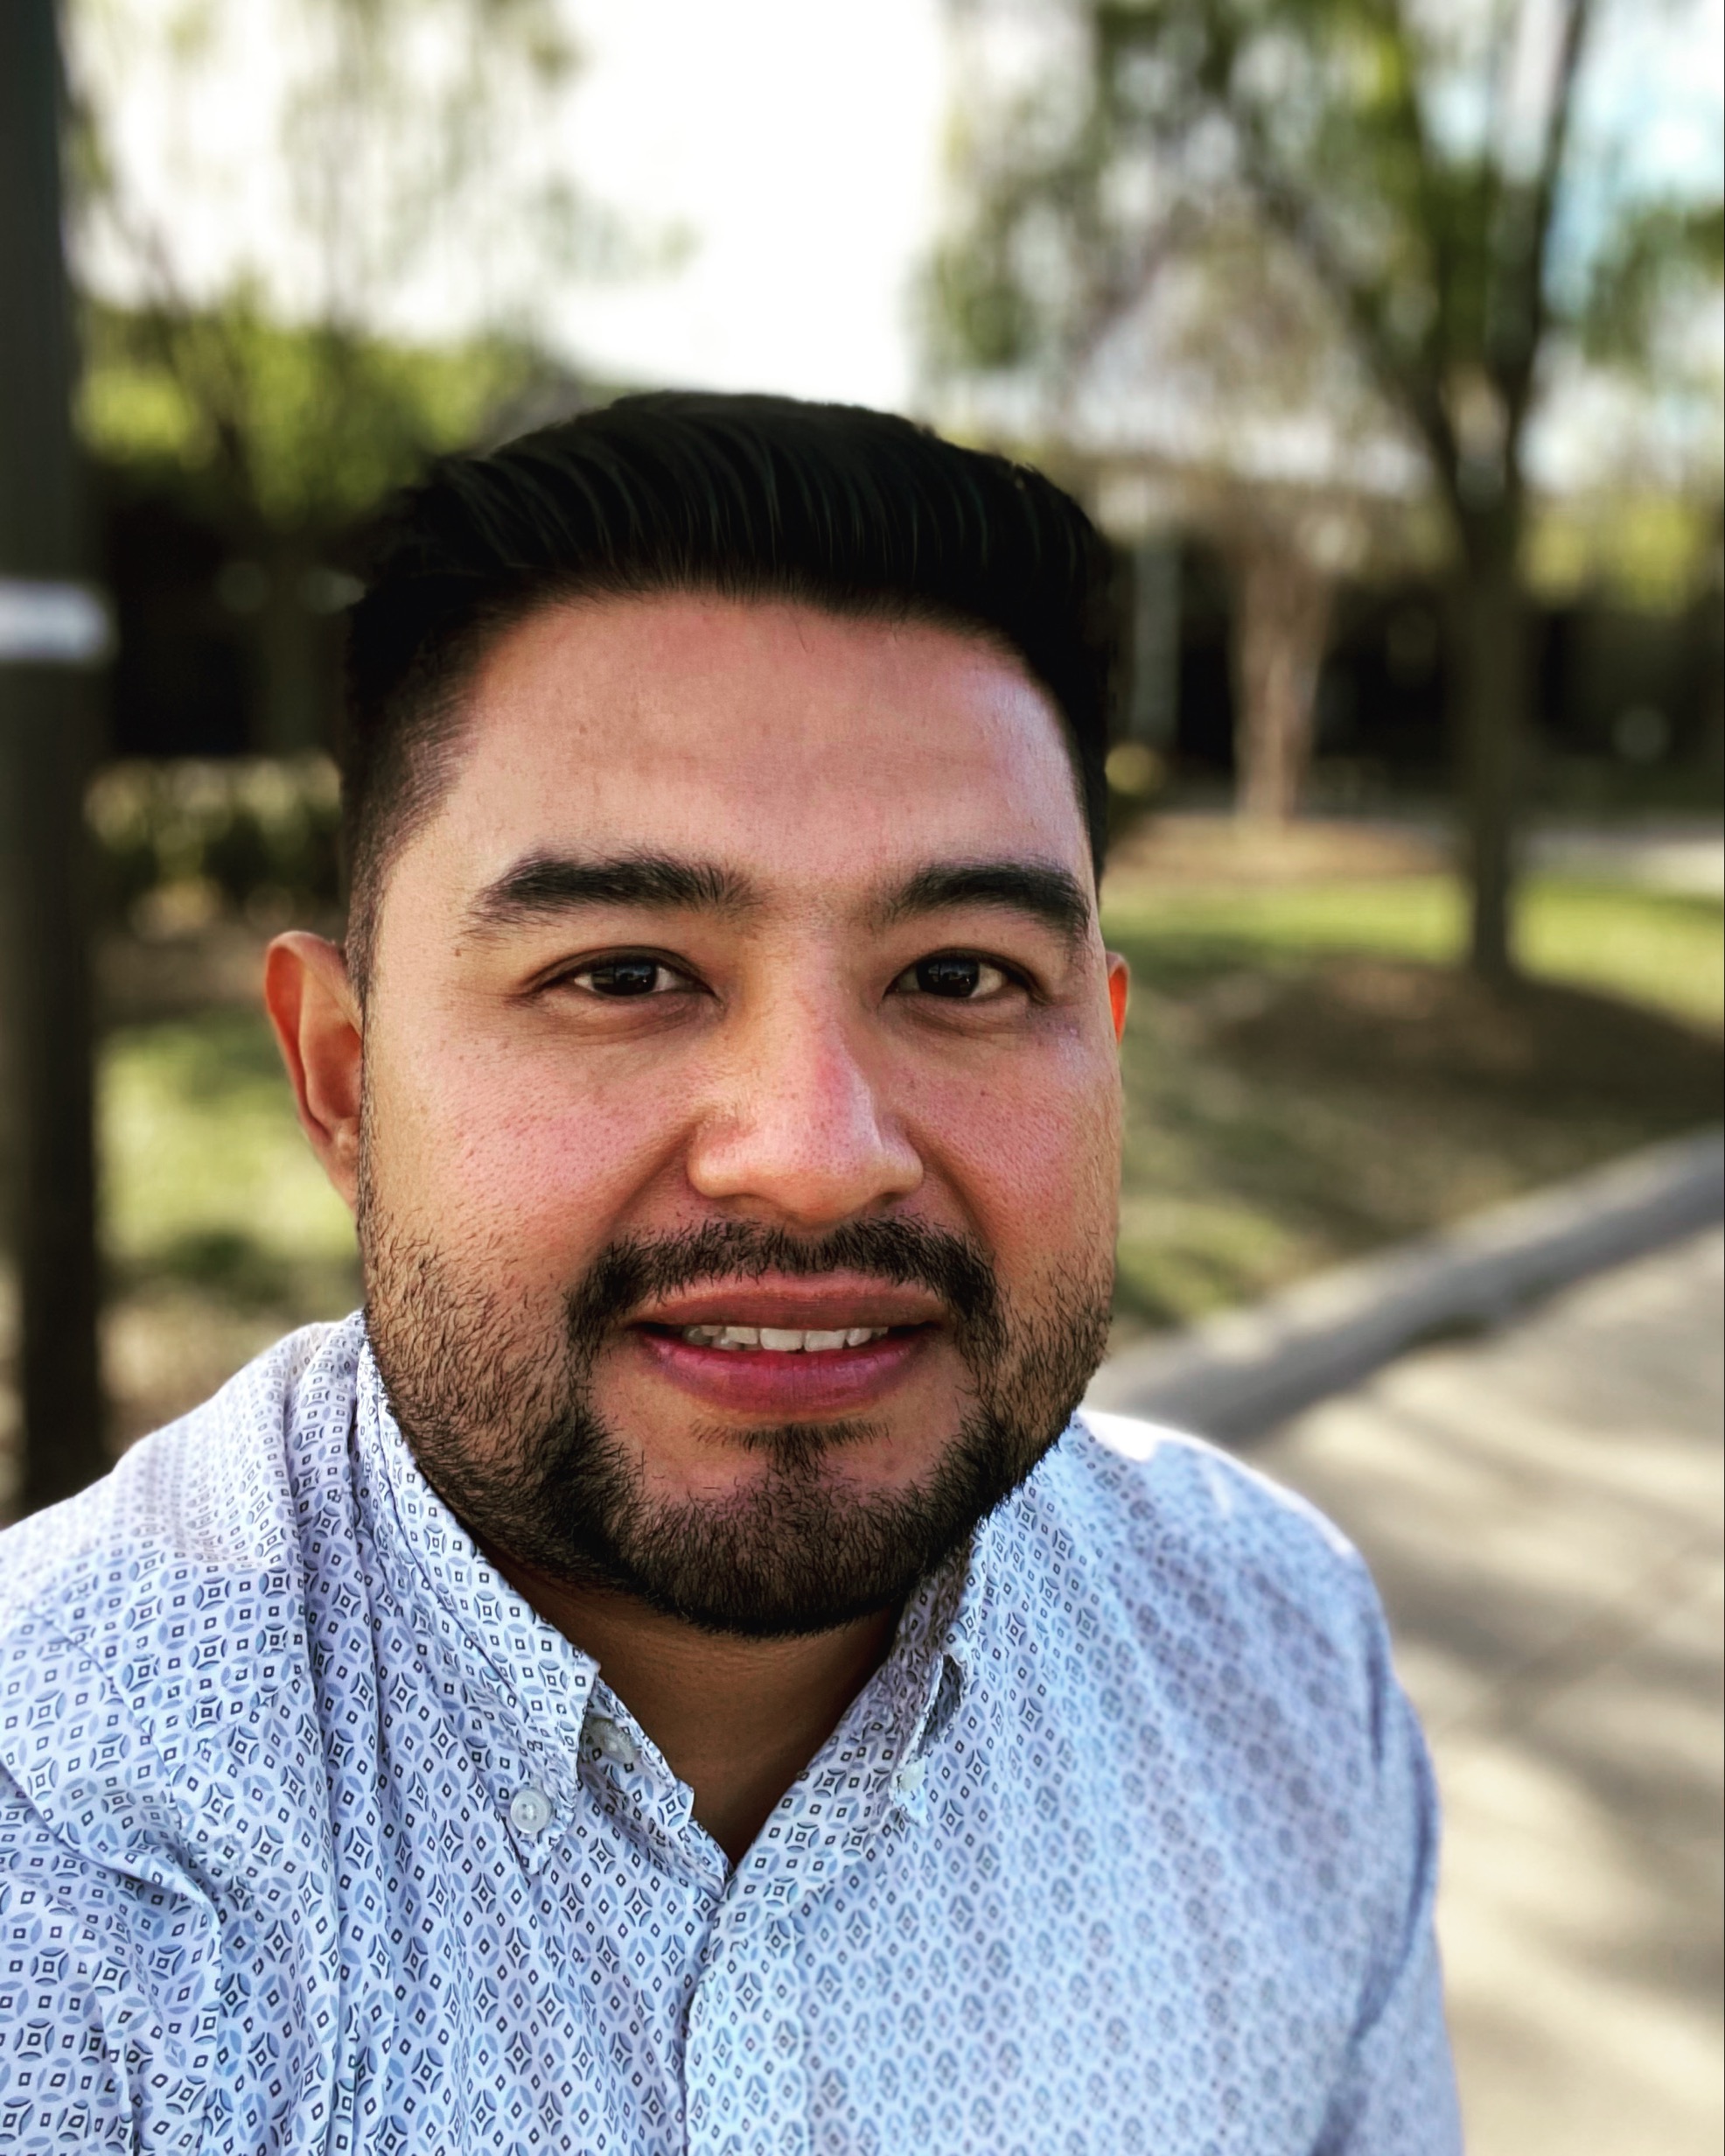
(902,1253)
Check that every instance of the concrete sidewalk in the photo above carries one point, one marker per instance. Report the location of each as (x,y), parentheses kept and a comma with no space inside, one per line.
(1542,1509)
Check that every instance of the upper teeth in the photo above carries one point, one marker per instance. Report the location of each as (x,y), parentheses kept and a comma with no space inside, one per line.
(783,1340)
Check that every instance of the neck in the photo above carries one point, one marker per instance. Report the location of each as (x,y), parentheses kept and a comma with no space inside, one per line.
(737,1720)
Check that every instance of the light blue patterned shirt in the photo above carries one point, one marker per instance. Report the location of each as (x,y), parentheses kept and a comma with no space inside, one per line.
(314,1836)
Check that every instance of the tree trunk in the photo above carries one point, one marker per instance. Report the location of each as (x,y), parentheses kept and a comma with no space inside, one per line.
(1710,623)
(1494,690)
(1281,625)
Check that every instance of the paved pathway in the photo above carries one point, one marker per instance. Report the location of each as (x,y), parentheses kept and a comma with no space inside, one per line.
(1543,1510)
(1683,855)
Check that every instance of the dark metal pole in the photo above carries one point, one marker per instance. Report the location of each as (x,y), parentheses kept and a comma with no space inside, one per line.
(50,635)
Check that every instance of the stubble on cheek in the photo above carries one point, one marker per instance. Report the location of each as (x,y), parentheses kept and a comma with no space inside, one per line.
(473,1353)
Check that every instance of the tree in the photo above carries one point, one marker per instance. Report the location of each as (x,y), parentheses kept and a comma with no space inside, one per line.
(272,373)
(1416,163)
(1226,375)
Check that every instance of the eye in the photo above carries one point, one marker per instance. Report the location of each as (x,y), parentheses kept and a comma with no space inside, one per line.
(956,977)
(617,977)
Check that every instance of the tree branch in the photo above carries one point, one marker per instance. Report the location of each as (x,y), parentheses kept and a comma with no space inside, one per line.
(1415,392)
(1529,306)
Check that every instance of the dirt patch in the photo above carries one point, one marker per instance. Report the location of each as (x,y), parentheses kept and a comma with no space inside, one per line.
(1280,1120)
(1538,1045)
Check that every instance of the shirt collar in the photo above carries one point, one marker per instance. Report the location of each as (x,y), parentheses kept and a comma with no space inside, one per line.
(511,1663)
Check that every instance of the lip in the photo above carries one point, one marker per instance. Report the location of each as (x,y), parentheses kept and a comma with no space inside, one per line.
(764,1385)
(832,1303)
(785,1388)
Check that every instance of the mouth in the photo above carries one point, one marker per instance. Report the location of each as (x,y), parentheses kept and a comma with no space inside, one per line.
(790,1350)
(776,1340)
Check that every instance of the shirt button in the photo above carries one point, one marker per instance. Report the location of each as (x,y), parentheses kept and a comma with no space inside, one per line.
(529,1810)
(909,1778)
(612,1742)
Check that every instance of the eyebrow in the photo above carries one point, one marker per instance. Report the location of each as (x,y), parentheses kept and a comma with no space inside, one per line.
(546,884)
(1039,888)
(543,886)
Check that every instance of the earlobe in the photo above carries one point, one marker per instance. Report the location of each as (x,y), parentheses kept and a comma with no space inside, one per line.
(319,1029)
(1120,984)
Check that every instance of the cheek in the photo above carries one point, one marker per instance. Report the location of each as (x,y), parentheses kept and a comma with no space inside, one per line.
(1032,1155)
(515,1161)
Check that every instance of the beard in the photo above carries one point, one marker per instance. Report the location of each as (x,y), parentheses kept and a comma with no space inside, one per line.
(505,1426)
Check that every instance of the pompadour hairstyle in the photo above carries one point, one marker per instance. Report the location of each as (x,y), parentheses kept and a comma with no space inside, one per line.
(748,497)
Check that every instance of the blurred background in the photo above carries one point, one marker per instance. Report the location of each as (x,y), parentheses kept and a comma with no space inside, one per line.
(1383,340)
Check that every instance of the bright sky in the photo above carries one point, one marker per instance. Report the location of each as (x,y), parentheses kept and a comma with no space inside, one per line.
(797,141)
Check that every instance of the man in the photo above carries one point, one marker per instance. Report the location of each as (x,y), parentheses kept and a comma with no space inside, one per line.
(677,1674)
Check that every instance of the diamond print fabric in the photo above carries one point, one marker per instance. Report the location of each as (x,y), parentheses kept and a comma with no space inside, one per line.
(313,1836)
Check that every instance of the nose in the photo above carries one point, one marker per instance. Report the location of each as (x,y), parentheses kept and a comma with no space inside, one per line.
(799,1131)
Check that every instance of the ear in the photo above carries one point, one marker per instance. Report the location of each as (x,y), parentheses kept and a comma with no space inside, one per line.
(316,1014)
(1120,984)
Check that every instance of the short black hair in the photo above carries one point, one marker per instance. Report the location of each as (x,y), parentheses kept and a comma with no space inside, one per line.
(857,512)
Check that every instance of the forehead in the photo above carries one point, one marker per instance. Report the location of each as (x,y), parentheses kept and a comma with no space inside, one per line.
(801,746)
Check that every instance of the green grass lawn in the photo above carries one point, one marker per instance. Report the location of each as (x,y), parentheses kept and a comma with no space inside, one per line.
(219,1231)
(207,1175)
(1657,947)
(1306,1077)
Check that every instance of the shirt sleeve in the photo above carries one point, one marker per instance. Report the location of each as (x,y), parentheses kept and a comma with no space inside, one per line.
(91,2059)
(1397,2096)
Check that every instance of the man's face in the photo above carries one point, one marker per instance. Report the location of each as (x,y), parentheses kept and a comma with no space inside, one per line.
(741,1129)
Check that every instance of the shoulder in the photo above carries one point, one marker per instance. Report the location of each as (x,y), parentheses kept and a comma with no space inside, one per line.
(1141,1491)
(155,1621)
(213,1493)
(1202,1563)
(1219,1647)
(140,1622)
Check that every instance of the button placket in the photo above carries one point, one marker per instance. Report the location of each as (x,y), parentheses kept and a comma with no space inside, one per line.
(748,2027)
(747,2042)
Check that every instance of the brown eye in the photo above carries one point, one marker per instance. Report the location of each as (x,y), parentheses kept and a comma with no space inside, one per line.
(625,976)
(954,976)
